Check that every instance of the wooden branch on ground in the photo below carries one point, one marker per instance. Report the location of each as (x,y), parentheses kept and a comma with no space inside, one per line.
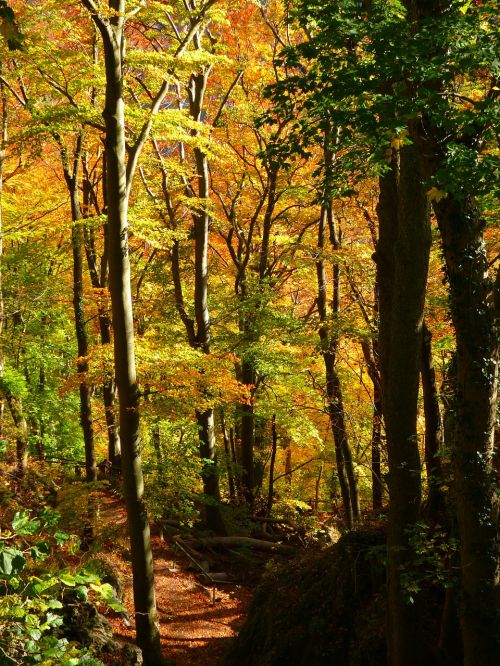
(237,541)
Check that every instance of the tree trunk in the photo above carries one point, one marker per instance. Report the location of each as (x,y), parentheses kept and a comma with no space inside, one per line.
(402,262)
(475,488)
(370,352)
(16,409)
(247,432)
(376,450)
(210,470)
(117,185)
(201,221)
(99,279)
(433,428)
(475,308)
(274,448)
(335,404)
(86,421)
(229,460)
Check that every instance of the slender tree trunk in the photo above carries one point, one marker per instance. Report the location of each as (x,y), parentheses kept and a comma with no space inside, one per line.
(71,176)
(247,432)
(99,277)
(370,352)
(434,441)
(117,185)
(274,448)
(317,489)
(14,402)
(201,220)
(335,403)
(402,253)
(376,450)
(229,461)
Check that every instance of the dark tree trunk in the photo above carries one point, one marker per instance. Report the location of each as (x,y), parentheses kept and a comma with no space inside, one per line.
(370,353)
(402,262)
(229,459)
(99,279)
(16,409)
(376,450)
(117,185)
(475,402)
(71,175)
(433,428)
(201,219)
(329,344)
(475,307)
(274,448)
(247,431)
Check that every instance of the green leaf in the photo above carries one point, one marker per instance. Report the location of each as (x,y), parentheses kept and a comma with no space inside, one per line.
(67,579)
(61,538)
(11,562)
(23,525)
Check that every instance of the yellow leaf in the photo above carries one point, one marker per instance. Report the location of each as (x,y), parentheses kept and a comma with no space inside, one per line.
(436,195)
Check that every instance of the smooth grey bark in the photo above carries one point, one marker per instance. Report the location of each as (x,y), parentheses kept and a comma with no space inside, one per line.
(119,174)
(402,262)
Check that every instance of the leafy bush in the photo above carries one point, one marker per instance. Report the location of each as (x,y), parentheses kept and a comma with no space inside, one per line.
(31,602)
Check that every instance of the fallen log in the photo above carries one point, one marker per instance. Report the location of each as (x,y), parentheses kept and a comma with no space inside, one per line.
(248,542)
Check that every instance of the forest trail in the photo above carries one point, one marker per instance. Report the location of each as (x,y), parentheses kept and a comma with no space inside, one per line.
(194,631)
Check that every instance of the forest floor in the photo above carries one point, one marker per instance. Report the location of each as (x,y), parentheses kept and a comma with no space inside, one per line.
(194,629)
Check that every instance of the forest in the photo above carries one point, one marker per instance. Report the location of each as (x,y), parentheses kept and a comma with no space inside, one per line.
(249,332)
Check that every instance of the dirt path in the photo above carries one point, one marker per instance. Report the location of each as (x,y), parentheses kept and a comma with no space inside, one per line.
(194,631)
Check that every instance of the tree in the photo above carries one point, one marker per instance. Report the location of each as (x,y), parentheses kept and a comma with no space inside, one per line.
(449,140)
(119,174)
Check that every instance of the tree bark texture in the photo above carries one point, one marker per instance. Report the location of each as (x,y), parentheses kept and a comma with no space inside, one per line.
(475,483)
(402,263)
(112,32)
(474,305)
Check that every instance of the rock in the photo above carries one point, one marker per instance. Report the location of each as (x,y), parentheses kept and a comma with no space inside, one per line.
(131,655)
(83,623)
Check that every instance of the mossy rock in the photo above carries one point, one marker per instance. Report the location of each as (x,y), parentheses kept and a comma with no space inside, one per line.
(326,608)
